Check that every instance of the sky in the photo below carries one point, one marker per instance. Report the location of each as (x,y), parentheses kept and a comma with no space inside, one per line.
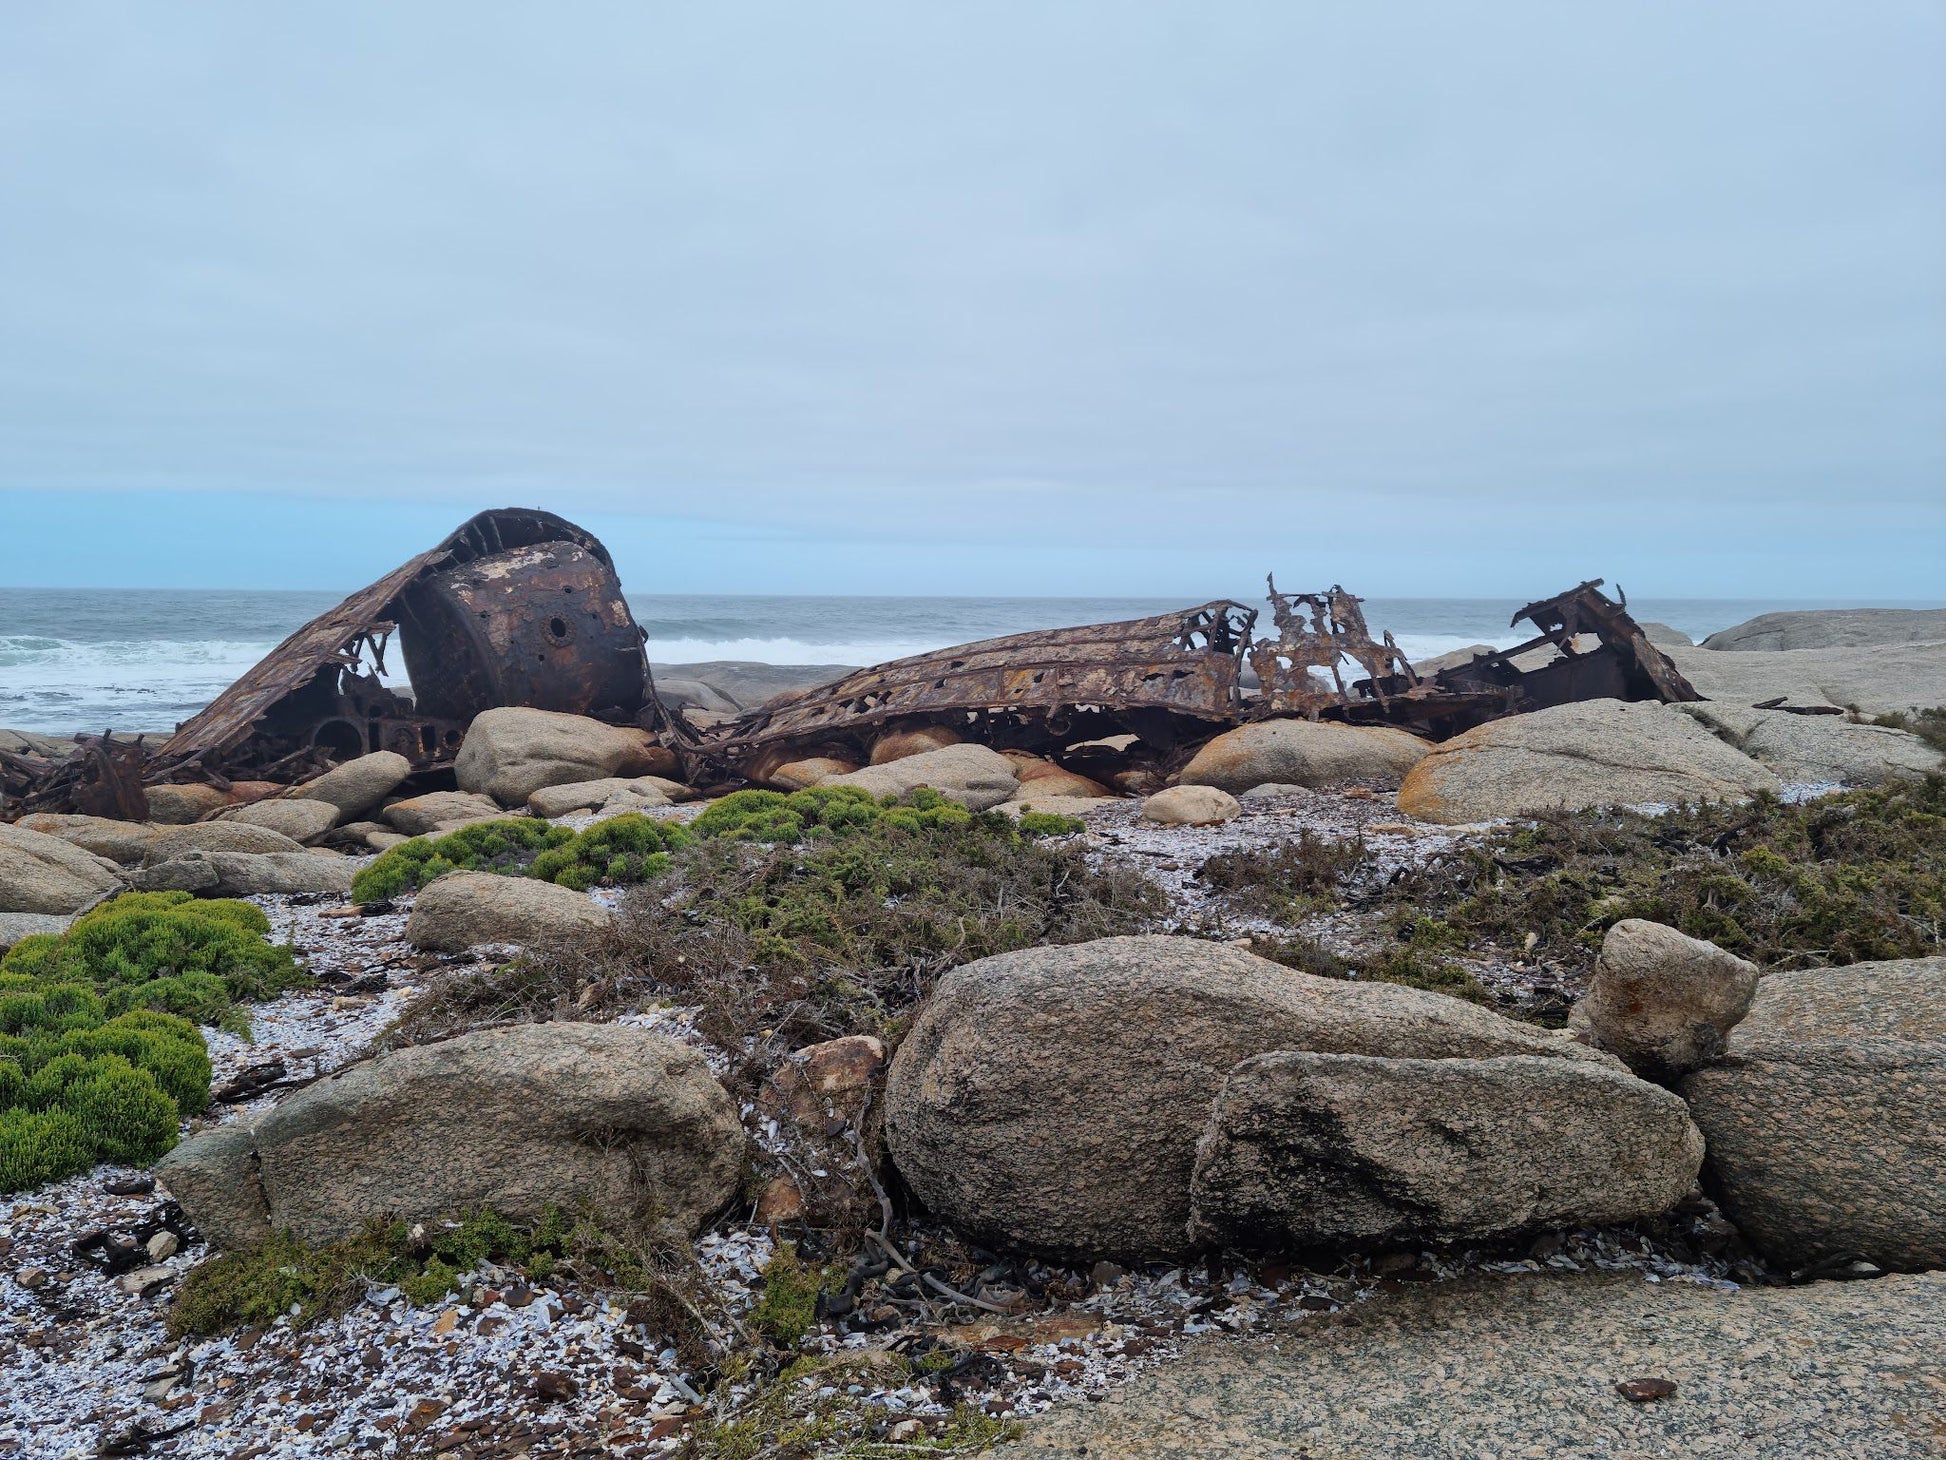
(997,298)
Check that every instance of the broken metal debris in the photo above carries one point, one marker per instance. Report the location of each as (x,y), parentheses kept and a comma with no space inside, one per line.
(1321,630)
(1168,680)
(515,607)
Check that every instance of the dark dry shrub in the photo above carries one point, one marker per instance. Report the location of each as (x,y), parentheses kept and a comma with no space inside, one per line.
(1306,955)
(834,935)
(1286,881)
(1929,725)
(1855,876)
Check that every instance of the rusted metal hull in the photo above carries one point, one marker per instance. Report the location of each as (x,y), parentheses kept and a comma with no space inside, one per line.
(515,607)
(1169,679)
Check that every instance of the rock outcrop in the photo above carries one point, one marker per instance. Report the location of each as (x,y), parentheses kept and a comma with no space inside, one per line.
(15,926)
(1307,1150)
(1824,1124)
(1593,753)
(1875,680)
(180,805)
(1663,1002)
(45,874)
(1832,628)
(511,752)
(1818,748)
(1052,1098)
(898,744)
(514,1119)
(972,775)
(1300,753)
(463,909)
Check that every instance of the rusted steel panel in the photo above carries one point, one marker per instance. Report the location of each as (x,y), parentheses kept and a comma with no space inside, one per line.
(1323,629)
(477,616)
(542,625)
(1175,665)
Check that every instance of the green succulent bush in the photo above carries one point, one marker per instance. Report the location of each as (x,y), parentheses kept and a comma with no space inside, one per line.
(165,951)
(78,1087)
(773,816)
(623,849)
(488,846)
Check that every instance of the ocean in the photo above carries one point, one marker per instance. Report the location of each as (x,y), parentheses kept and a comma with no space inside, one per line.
(147,659)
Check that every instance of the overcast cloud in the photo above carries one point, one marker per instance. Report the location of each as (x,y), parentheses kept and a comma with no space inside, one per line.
(982,298)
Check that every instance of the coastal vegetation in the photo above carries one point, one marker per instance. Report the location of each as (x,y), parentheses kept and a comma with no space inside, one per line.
(836,921)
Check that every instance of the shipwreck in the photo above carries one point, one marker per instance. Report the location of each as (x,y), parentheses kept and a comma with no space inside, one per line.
(520,607)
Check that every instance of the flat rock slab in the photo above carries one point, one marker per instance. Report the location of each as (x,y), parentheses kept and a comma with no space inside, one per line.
(1527,1366)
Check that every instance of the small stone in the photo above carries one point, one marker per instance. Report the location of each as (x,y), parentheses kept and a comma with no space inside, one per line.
(1106,1274)
(163,1245)
(779,1201)
(555,1388)
(145,1281)
(1643,1390)
(31,1277)
(130,1186)
(906,1429)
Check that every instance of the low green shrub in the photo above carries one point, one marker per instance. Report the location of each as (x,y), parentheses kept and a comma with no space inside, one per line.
(788,1307)
(285,1276)
(818,811)
(623,849)
(165,951)
(77,1087)
(487,846)
(618,852)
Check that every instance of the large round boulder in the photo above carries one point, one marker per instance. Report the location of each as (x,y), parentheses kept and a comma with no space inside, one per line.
(356,786)
(462,909)
(1825,1129)
(974,776)
(122,842)
(515,1120)
(1052,1098)
(302,820)
(180,805)
(438,812)
(44,874)
(1661,1001)
(1310,1150)
(1300,753)
(511,752)
(1592,753)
